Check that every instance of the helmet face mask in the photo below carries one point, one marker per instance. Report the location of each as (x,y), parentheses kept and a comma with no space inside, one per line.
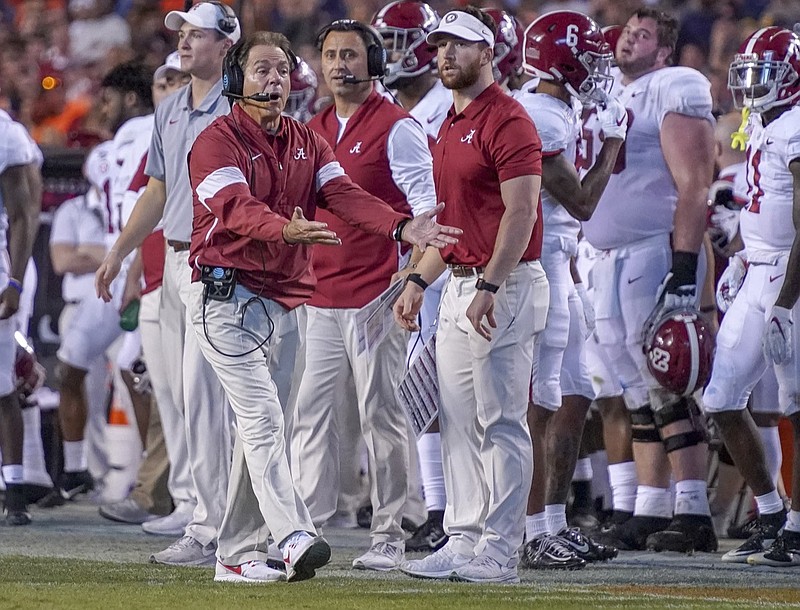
(766,72)
(507,61)
(401,46)
(598,82)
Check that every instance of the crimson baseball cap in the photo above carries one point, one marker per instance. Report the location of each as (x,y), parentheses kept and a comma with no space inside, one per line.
(461,25)
(208,16)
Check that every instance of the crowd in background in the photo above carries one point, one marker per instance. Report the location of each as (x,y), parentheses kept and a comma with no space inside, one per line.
(53,53)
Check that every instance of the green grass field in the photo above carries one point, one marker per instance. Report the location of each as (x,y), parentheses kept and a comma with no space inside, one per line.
(72,583)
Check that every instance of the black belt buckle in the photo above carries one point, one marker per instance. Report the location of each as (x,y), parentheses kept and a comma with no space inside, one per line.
(219,282)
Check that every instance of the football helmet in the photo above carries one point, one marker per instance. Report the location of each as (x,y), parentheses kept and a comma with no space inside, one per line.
(29,373)
(507,44)
(302,101)
(404,25)
(765,73)
(680,349)
(611,33)
(568,48)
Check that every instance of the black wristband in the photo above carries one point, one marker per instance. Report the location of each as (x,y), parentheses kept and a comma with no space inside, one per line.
(416,278)
(684,268)
(482,285)
(397,235)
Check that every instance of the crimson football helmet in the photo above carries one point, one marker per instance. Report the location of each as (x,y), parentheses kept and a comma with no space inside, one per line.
(765,73)
(611,34)
(404,26)
(302,101)
(29,373)
(568,48)
(680,349)
(507,44)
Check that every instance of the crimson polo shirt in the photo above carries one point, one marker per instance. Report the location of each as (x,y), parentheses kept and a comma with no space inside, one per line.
(492,140)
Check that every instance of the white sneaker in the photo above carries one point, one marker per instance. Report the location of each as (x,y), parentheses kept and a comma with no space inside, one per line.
(303,554)
(173,524)
(485,569)
(249,572)
(186,552)
(382,556)
(440,564)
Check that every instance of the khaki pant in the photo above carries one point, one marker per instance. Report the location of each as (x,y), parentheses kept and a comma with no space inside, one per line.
(261,497)
(486,444)
(331,360)
(207,416)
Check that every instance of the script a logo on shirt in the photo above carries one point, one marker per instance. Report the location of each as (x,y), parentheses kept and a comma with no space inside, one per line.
(356,150)
(300,154)
(468,138)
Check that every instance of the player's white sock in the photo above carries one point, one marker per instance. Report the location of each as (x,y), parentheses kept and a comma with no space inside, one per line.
(691,497)
(556,517)
(601,486)
(430,466)
(653,502)
(769,503)
(12,474)
(773,455)
(793,521)
(35,469)
(535,526)
(75,459)
(583,470)
(624,482)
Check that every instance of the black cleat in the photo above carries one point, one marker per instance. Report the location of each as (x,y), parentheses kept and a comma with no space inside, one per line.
(744,530)
(764,534)
(550,553)
(784,552)
(364,516)
(586,548)
(430,535)
(16,510)
(70,484)
(685,534)
(631,535)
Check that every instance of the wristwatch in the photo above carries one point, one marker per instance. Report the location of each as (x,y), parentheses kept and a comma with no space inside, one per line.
(416,278)
(481,285)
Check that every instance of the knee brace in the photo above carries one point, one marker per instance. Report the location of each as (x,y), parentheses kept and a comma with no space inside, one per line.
(644,426)
(686,409)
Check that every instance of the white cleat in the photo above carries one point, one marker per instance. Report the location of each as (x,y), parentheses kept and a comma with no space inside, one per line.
(382,557)
(303,554)
(485,569)
(440,564)
(253,572)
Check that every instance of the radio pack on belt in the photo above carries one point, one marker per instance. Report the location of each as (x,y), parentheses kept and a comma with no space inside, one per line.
(219,282)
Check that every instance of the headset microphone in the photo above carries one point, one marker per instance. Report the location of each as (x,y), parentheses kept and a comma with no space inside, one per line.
(263,97)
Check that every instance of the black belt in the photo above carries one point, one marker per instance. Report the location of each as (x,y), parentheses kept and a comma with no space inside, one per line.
(464,271)
(179,246)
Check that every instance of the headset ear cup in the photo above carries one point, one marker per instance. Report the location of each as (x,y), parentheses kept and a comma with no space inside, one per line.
(376,61)
(232,76)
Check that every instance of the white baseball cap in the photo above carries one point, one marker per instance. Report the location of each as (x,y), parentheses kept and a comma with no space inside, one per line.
(172,62)
(461,25)
(208,16)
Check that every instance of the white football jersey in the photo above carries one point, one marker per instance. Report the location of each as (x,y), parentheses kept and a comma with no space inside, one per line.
(559,129)
(431,110)
(16,148)
(639,201)
(766,220)
(131,143)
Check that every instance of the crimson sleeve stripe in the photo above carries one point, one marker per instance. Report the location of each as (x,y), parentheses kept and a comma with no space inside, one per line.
(218,180)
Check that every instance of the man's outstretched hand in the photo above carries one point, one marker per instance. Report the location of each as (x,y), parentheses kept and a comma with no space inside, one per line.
(300,230)
(423,231)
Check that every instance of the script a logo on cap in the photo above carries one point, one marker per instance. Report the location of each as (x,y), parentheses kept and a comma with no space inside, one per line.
(451,18)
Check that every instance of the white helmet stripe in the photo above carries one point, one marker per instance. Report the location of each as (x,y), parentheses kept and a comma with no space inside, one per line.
(694,350)
(751,43)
